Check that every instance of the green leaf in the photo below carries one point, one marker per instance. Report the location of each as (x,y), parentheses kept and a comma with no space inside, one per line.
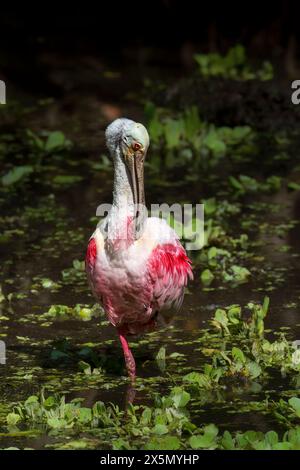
(16,174)
(207,277)
(35,140)
(32,399)
(206,440)
(48,283)
(79,265)
(201,380)
(235,183)
(271,438)
(265,306)
(214,143)
(294,402)
(161,358)
(49,402)
(85,415)
(294,186)
(56,140)
(119,444)
(163,443)
(221,318)
(212,252)
(238,355)
(12,419)
(282,446)
(85,367)
(227,441)
(210,206)
(160,429)
(240,273)
(234,314)
(254,369)
(66,179)
(180,397)
(56,423)
(73,445)
(173,131)
(192,123)
(161,355)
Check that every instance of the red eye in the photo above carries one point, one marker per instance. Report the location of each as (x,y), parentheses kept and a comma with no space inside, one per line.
(136,146)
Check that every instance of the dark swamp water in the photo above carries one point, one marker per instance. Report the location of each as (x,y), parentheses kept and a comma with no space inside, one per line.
(46,222)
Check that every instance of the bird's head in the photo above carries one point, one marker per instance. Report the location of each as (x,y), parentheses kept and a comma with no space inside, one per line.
(130,139)
(129,136)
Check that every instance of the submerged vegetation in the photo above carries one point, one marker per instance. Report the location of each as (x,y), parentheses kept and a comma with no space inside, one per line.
(225,372)
(169,423)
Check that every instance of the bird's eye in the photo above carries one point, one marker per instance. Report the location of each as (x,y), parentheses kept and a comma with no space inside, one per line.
(136,146)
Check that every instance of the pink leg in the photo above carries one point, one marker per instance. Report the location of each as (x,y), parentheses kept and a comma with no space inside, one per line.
(129,359)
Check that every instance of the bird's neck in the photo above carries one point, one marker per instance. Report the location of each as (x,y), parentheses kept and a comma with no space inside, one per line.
(121,220)
(122,192)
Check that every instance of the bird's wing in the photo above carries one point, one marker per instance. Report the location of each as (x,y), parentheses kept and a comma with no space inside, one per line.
(95,246)
(91,255)
(169,270)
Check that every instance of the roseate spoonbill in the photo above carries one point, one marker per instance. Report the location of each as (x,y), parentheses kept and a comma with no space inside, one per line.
(134,273)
